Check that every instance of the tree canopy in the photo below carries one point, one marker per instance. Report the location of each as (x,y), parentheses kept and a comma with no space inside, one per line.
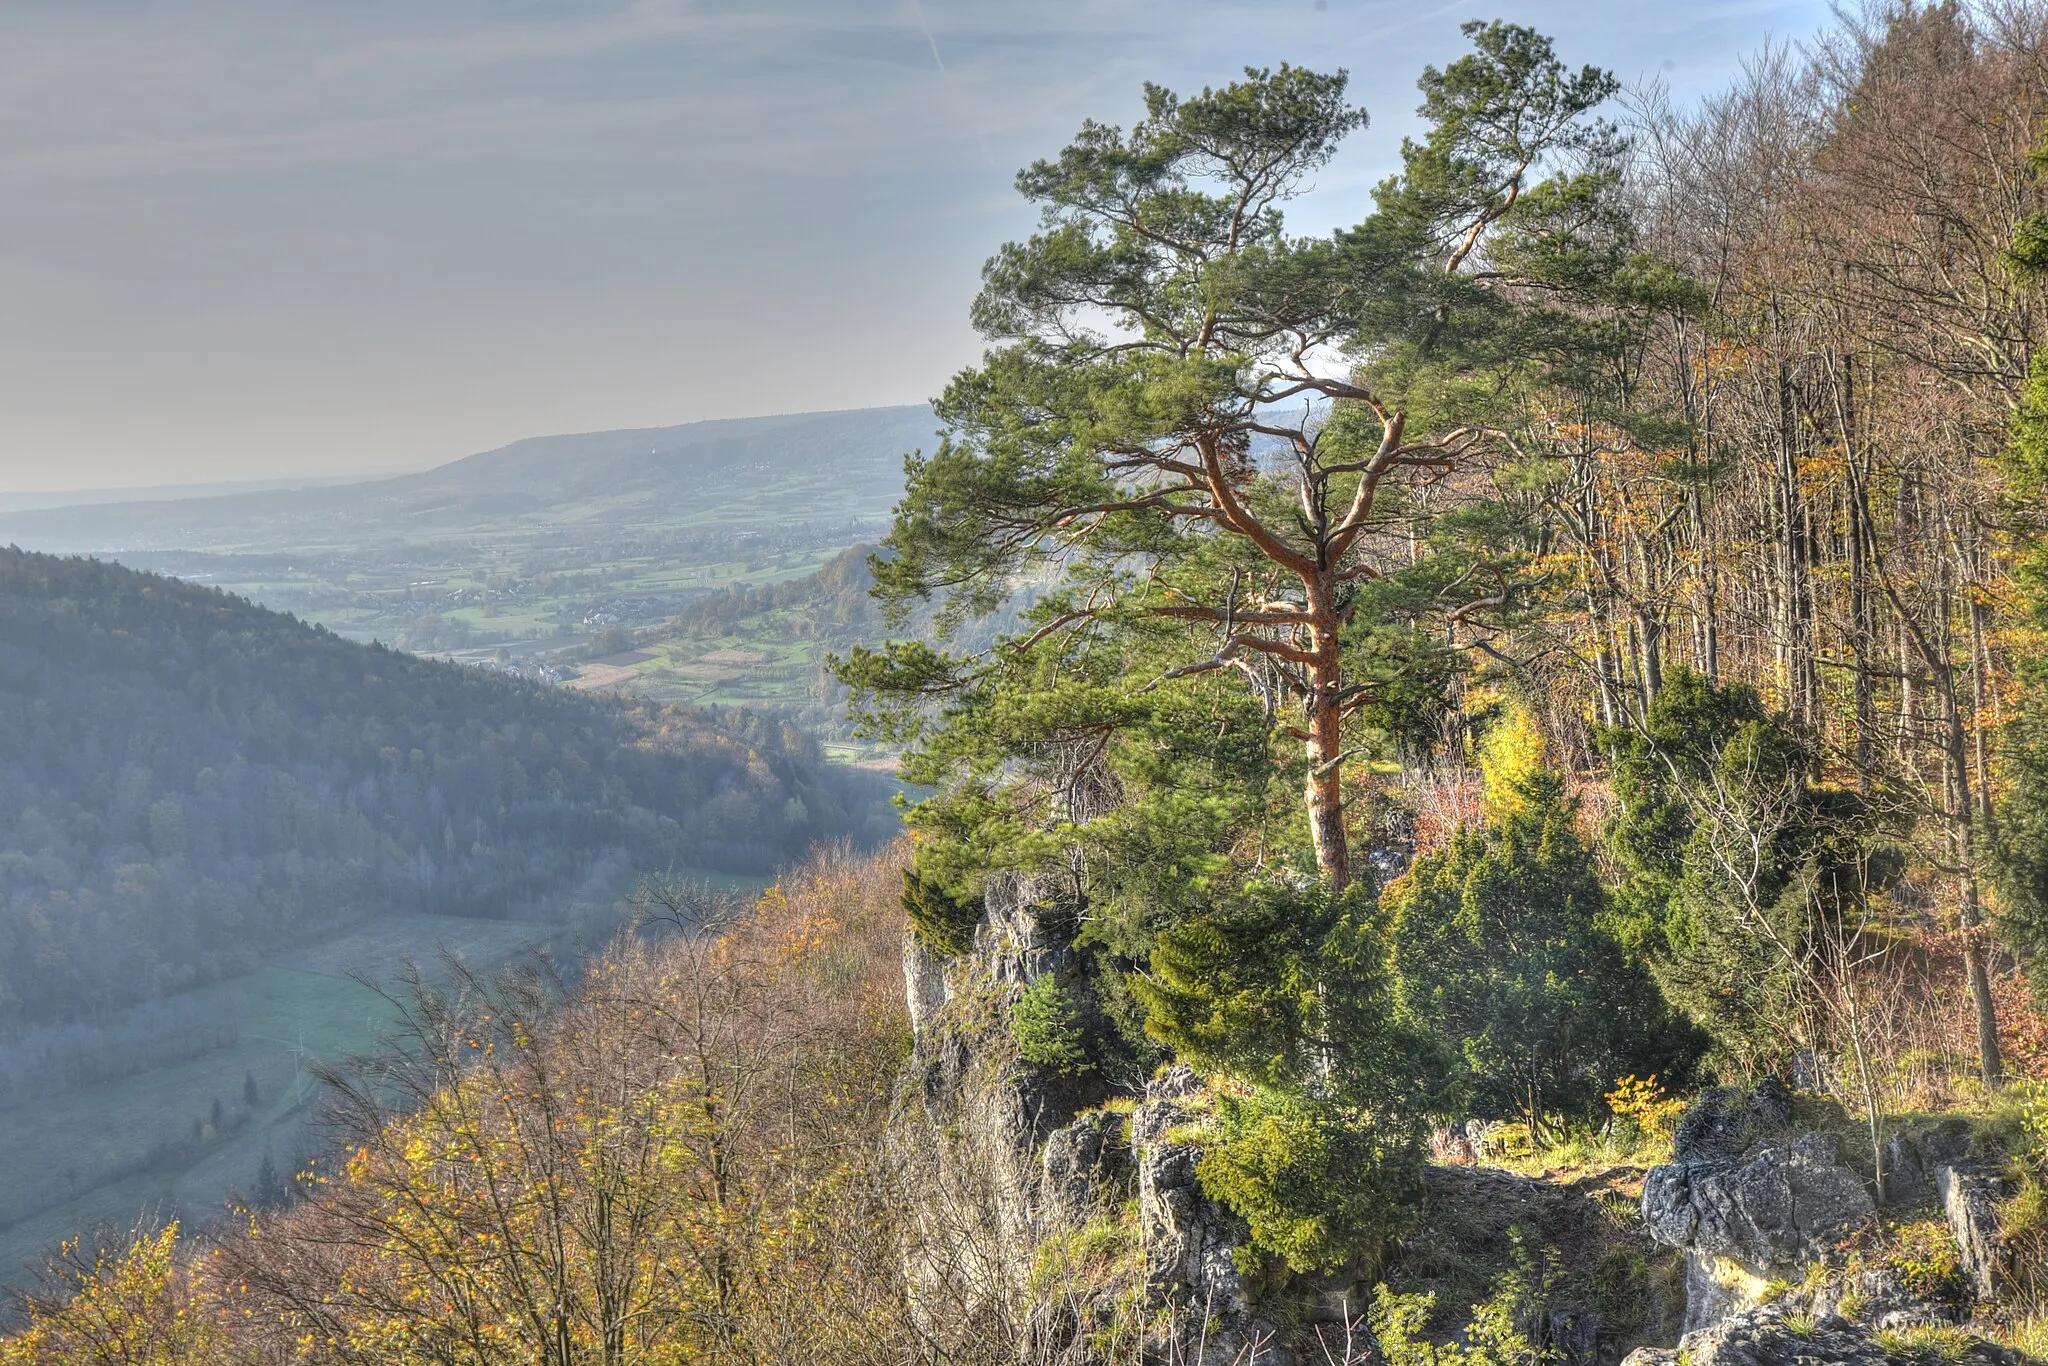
(1227,451)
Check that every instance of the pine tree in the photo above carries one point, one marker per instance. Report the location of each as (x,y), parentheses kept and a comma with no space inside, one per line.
(270,1190)
(1210,507)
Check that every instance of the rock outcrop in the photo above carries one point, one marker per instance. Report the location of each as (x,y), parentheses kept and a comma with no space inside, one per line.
(1189,1239)
(1084,1166)
(1027,1179)
(1772,1336)
(1018,1165)
(1746,1200)
(1970,1198)
(982,1134)
(1778,1206)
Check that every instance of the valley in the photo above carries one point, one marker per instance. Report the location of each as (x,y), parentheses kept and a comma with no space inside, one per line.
(223,832)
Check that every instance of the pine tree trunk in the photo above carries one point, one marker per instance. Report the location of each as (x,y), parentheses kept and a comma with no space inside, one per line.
(1325,705)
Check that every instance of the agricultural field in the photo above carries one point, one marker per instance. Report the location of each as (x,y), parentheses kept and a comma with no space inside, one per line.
(149,1145)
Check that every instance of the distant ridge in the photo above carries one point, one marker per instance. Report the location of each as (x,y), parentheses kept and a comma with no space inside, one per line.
(838,465)
(28,500)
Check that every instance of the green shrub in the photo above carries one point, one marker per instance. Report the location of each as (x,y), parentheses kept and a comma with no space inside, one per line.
(1497,1334)
(1048,1029)
(1502,955)
(1287,988)
(1319,1185)
(942,922)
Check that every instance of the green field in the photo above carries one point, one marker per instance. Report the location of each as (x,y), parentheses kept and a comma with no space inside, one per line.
(109,1153)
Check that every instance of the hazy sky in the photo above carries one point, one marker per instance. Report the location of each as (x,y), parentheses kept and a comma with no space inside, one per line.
(244,238)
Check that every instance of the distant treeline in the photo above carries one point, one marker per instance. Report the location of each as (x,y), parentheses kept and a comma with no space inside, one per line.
(189,782)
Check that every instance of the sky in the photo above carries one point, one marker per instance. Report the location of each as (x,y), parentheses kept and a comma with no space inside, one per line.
(244,239)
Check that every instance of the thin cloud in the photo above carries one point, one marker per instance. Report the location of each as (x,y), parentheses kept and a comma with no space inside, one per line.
(917,8)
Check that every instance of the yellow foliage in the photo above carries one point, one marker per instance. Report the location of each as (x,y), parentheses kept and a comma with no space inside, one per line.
(1514,750)
(137,1306)
(1641,1108)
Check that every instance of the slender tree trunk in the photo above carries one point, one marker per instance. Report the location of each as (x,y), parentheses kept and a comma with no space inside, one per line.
(1653,657)
(1860,627)
(1969,910)
(1858,538)
(1707,607)
(1325,705)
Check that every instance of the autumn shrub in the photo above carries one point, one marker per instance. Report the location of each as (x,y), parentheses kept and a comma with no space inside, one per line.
(679,1157)
(1643,1113)
(133,1300)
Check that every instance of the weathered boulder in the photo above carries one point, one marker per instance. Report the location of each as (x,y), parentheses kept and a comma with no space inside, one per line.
(1877,1299)
(1715,1288)
(1911,1159)
(1747,1200)
(1778,1206)
(1971,1199)
(1770,1336)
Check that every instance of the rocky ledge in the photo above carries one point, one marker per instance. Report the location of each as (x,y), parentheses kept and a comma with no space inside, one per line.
(1774,1336)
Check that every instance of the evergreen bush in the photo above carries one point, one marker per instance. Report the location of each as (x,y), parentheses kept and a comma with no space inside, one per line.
(1320,1185)
(942,921)
(1048,1029)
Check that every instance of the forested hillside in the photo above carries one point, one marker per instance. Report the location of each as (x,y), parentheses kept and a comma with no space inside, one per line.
(189,783)
(768,646)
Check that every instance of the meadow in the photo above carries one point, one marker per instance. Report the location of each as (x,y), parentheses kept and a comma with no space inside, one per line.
(148,1146)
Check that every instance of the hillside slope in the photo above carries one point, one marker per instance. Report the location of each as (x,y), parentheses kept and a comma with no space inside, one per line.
(189,783)
(801,467)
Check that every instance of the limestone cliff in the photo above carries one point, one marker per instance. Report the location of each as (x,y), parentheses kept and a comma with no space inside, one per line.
(1055,1212)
